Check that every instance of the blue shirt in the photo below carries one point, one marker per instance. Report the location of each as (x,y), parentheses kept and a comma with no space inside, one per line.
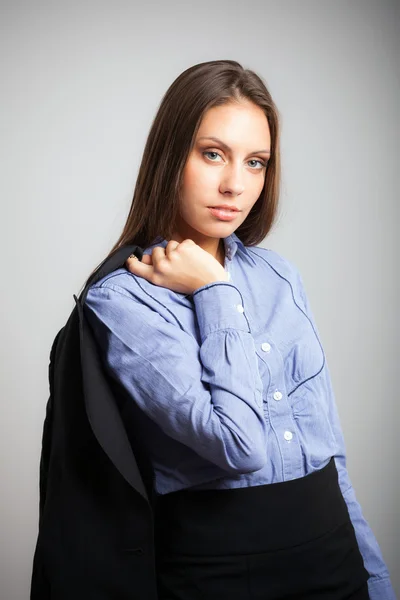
(231,382)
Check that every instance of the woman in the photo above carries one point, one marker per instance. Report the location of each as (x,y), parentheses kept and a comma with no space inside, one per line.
(214,343)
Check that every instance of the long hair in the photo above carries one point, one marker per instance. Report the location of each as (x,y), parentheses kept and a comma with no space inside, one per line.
(156,197)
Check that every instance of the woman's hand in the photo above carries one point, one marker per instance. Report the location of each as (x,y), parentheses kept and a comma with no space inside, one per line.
(181,267)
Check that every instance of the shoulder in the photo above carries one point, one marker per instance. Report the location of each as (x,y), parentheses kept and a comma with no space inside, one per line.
(119,282)
(121,277)
(276,261)
(280,267)
(122,291)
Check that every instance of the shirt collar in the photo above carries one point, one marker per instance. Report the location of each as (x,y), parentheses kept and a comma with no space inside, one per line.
(233,244)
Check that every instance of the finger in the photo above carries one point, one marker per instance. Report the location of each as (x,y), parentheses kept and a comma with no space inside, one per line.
(130,258)
(146,258)
(171,246)
(158,253)
(137,267)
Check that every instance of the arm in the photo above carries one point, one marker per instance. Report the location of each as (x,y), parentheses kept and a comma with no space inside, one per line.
(208,397)
(379,584)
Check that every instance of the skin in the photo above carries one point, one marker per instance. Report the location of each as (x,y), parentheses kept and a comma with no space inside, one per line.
(221,176)
(213,175)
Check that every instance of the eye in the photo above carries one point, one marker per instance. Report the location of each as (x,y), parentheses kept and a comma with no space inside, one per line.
(262,163)
(211,152)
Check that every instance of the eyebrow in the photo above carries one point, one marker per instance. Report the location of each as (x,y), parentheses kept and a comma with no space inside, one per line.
(226,147)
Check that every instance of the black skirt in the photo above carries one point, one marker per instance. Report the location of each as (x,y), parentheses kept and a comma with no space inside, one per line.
(291,540)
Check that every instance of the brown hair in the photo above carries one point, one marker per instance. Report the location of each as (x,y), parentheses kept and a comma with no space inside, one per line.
(155,203)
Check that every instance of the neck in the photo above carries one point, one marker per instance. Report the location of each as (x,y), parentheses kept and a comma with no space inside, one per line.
(221,252)
(215,246)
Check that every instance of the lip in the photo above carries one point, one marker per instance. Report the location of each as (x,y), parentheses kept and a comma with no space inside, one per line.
(223,214)
(226,206)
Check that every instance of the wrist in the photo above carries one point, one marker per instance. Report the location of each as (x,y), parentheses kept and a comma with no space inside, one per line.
(200,284)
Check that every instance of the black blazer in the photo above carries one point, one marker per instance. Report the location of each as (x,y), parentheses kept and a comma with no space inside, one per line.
(96,528)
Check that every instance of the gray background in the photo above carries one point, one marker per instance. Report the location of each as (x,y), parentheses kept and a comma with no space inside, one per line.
(80,84)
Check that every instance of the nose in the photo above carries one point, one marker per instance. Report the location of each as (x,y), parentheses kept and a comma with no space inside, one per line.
(232,180)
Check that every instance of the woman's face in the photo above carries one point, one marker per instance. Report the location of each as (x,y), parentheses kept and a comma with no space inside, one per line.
(230,170)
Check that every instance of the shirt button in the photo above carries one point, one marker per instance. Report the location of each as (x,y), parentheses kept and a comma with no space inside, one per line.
(240,308)
(288,435)
(277,396)
(266,347)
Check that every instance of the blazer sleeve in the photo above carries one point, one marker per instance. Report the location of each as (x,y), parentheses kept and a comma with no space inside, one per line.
(207,396)
(379,584)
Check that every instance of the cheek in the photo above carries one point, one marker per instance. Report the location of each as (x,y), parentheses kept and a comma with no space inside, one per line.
(197,176)
(257,185)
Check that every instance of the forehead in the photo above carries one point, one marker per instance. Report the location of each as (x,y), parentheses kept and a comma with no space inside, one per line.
(234,122)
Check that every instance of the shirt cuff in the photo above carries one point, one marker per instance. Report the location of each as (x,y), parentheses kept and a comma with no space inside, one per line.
(380,589)
(219,305)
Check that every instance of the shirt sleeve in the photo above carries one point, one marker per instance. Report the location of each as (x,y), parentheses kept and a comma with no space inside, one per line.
(379,584)
(207,396)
